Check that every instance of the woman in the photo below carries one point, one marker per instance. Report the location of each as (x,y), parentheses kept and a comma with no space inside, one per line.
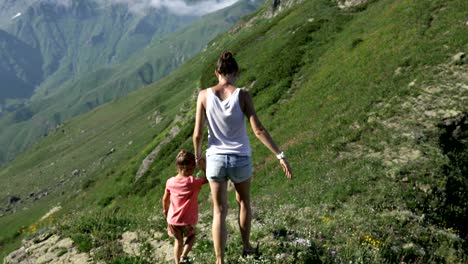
(229,155)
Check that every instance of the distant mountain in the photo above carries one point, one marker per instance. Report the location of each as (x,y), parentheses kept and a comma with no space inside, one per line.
(10,10)
(94,54)
(19,72)
(52,42)
(148,65)
(86,35)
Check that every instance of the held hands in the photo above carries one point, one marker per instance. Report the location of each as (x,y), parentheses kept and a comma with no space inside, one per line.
(286,168)
(201,163)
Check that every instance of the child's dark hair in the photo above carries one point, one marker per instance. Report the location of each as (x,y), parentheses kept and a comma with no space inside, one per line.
(185,160)
(226,64)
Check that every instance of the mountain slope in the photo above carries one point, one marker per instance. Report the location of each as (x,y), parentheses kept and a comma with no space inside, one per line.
(11,10)
(18,70)
(71,90)
(369,104)
(85,35)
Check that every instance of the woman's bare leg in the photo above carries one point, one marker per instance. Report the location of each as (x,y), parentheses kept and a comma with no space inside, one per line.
(245,212)
(219,195)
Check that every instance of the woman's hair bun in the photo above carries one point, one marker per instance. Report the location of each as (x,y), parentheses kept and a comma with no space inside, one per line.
(227,55)
(227,64)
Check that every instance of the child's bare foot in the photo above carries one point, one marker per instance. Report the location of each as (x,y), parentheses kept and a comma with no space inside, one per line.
(251,251)
(185,260)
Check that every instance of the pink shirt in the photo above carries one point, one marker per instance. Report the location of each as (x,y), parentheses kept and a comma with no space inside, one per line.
(184,200)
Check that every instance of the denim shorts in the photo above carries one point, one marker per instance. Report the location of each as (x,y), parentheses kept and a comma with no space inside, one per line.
(221,167)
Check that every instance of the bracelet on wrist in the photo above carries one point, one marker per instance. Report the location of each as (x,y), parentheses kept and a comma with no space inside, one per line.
(281,155)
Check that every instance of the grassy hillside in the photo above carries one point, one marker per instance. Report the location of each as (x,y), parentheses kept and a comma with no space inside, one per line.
(369,104)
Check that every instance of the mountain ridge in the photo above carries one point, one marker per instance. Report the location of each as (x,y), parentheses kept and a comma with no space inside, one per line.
(17,69)
(12,9)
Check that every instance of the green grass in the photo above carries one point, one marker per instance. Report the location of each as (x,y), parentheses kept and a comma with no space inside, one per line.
(318,84)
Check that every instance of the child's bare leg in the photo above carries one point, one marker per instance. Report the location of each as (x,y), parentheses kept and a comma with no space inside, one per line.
(188,245)
(178,247)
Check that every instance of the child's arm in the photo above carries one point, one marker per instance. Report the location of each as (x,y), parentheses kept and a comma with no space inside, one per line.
(203,177)
(205,180)
(165,202)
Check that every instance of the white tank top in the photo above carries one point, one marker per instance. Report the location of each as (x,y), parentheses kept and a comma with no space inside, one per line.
(226,125)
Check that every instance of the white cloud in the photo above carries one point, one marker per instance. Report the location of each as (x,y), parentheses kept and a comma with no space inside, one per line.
(179,7)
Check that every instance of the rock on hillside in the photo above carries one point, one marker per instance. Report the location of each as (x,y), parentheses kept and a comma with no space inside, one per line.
(343,4)
(48,248)
(53,249)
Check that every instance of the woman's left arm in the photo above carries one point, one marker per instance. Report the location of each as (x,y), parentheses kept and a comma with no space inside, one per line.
(261,132)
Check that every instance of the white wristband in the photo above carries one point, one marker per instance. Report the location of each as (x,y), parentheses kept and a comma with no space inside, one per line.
(281,155)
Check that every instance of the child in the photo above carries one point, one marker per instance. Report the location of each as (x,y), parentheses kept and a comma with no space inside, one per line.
(181,205)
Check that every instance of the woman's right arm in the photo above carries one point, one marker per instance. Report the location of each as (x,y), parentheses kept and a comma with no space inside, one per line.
(200,120)
(261,133)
